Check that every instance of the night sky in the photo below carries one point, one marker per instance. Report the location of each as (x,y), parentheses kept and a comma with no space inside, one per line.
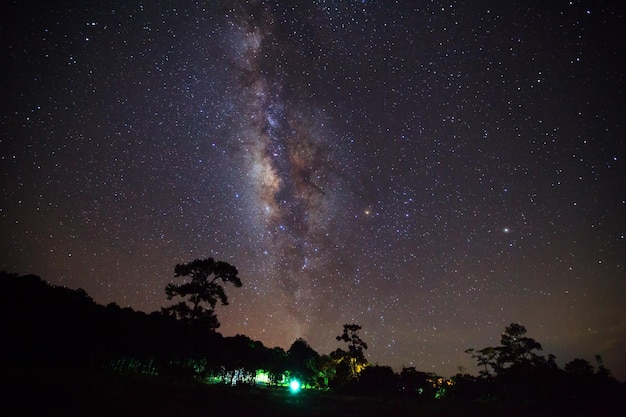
(431,170)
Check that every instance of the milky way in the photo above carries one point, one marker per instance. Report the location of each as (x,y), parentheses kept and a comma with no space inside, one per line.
(295,176)
(430,170)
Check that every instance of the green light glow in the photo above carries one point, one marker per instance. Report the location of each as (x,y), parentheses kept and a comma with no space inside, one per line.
(294,386)
(262,377)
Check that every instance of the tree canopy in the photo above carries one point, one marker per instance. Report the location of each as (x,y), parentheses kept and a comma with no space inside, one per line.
(356,345)
(88,335)
(352,362)
(516,350)
(200,296)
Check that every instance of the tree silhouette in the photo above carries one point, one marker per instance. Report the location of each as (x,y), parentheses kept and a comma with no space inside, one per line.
(302,359)
(417,383)
(351,336)
(326,369)
(201,295)
(488,359)
(356,346)
(579,367)
(378,381)
(516,350)
(602,370)
(516,347)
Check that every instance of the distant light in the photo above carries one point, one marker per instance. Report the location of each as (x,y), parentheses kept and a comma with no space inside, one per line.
(294,386)
(262,377)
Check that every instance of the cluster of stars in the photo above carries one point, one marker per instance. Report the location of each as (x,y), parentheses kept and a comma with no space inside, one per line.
(430,170)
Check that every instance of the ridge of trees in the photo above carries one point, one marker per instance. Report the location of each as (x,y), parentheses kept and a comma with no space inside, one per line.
(46,325)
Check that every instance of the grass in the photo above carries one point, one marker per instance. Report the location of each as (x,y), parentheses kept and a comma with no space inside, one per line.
(65,392)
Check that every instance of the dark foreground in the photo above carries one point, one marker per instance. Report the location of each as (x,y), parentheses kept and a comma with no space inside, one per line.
(102,393)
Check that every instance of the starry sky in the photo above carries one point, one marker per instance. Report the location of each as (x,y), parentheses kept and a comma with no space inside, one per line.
(432,170)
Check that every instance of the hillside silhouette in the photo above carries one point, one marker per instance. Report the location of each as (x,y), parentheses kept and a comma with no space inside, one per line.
(64,354)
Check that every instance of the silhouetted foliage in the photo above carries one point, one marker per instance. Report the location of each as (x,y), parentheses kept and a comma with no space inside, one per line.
(356,345)
(516,347)
(514,372)
(354,357)
(487,359)
(57,326)
(201,295)
(579,367)
(240,358)
(51,329)
(302,360)
(326,369)
(377,381)
(516,350)
(276,364)
(419,384)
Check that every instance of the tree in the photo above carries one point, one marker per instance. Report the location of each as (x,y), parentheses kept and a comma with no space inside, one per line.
(356,346)
(516,347)
(488,358)
(378,381)
(579,367)
(516,350)
(201,295)
(276,364)
(302,359)
(326,369)
(416,383)
(602,370)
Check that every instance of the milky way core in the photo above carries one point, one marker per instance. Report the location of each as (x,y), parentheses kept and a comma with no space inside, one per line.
(430,170)
(289,165)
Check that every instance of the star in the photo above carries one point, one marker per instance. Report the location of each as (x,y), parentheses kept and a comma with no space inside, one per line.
(352,162)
